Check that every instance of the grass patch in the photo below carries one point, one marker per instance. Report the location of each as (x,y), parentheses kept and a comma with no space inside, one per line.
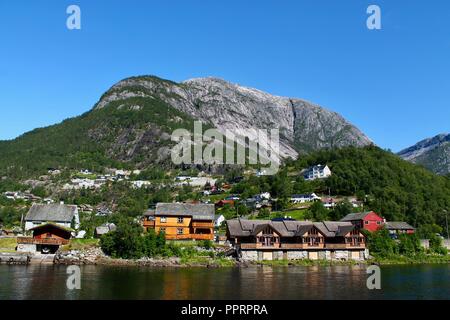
(8,244)
(298,214)
(202,261)
(417,259)
(81,244)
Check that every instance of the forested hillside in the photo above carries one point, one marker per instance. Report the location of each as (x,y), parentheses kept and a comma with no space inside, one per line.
(125,133)
(396,188)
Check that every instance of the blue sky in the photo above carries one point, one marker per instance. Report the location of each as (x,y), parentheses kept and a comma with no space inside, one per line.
(393,83)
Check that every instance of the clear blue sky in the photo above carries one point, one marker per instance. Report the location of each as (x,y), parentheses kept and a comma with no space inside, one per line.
(394,84)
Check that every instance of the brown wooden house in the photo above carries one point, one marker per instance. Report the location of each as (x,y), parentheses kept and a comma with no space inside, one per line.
(46,238)
(296,239)
(182,221)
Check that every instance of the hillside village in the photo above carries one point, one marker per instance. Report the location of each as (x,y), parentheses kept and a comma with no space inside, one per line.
(208,210)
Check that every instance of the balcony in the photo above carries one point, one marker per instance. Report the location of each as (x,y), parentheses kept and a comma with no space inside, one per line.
(301,246)
(259,246)
(148,224)
(43,241)
(345,246)
(191,236)
(197,224)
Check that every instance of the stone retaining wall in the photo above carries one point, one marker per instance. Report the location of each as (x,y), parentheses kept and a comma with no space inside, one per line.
(257,255)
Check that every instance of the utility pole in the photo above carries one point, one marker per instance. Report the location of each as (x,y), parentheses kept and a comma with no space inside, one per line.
(446,222)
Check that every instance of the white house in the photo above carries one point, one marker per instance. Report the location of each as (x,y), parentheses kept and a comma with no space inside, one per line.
(317,172)
(59,214)
(140,184)
(218,220)
(302,198)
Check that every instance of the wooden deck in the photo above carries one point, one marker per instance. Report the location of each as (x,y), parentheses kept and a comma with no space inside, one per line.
(44,241)
(344,246)
(191,237)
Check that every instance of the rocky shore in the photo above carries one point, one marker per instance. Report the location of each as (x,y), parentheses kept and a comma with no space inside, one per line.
(95,256)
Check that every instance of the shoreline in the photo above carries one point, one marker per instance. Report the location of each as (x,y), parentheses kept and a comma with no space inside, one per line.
(208,262)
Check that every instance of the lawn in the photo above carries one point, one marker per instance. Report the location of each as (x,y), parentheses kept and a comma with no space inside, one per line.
(81,244)
(296,214)
(8,244)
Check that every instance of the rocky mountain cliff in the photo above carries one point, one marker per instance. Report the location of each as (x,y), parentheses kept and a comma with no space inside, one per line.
(132,122)
(304,127)
(432,153)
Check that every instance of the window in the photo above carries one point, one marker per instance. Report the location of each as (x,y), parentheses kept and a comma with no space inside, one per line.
(180,220)
(163,219)
(162,230)
(378,222)
(180,231)
(366,222)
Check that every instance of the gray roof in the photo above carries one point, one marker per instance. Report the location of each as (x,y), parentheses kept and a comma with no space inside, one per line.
(196,211)
(398,225)
(246,228)
(355,216)
(334,228)
(149,213)
(51,212)
(105,228)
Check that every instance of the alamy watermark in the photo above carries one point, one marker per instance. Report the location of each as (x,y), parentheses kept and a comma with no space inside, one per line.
(234,146)
(73,22)
(374,20)
(374,280)
(74,279)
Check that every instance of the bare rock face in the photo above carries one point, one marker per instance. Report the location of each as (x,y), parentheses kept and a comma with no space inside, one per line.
(303,127)
(432,153)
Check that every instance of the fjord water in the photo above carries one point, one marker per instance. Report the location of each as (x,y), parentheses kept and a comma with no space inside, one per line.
(254,283)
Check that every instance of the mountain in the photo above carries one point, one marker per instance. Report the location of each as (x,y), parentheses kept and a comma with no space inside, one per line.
(303,126)
(432,153)
(132,122)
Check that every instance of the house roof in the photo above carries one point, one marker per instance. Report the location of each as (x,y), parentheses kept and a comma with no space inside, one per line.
(355,216)
(307,195)
(51,212)
(47,224)
(105,228)
(398,225)
(196,211)
(246,228)
(334,228)
(149,213)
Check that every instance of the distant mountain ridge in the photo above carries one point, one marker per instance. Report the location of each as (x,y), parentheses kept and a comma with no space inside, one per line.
(433,153)
(304,127)
(132,123)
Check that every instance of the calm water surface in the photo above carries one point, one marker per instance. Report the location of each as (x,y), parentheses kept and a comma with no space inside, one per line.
(254,283)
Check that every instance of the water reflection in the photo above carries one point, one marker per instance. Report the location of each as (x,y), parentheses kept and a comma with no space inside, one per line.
(254,283)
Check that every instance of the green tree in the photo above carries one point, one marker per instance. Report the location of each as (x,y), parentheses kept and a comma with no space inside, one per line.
(341,210)
(409,244)
(381,244)
(125,242)
(436,245)
(317,212)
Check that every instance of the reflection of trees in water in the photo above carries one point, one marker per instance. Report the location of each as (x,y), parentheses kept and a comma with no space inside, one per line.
(253,283)
(313,282)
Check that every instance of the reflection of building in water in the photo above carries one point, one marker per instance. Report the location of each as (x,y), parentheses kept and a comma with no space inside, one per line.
(188,284)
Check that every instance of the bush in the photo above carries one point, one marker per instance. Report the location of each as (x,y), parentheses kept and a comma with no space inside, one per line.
(436,245)
(206,244)
(381,244)
(409,244)
(126,242)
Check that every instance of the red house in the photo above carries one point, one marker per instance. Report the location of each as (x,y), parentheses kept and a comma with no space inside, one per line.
(369,221)
(223,203)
